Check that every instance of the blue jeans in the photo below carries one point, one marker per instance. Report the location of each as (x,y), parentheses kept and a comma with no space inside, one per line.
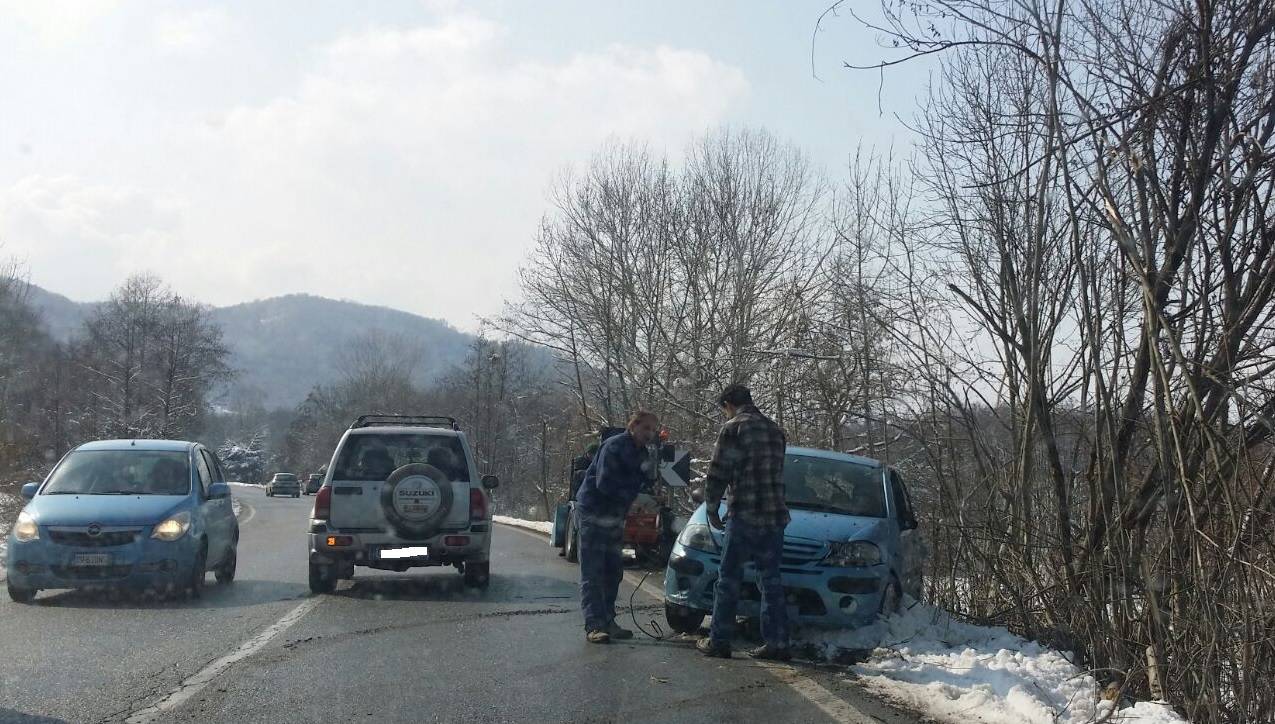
(764,546)
(601,565)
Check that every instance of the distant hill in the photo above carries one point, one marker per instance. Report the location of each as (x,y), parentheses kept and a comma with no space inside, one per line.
(282,346)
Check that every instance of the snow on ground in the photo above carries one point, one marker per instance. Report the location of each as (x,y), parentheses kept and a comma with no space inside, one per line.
(536,525)
(10,504)
(959,672)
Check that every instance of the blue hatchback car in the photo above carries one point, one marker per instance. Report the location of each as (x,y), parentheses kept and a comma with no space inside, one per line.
(144,514)
(850,552)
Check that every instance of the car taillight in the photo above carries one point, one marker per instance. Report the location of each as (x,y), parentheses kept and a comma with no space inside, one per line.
(477,504)
(322,504)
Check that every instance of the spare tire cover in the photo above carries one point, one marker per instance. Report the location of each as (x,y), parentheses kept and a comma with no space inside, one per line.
(416,498)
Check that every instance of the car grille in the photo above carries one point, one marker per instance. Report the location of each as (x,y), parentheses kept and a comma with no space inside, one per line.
(91,573)
(82,539)
(800,552)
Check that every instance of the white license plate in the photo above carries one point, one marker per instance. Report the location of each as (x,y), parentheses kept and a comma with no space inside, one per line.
(91,559)
(414,552)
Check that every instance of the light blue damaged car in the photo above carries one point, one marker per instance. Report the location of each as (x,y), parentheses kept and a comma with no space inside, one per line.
(850,553)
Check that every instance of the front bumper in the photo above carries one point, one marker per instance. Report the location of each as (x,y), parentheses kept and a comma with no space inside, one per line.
(360,547)
(143,563)
(817,596)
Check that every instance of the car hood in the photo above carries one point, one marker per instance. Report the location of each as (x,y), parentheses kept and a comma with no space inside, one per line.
(102,509)
(821,526)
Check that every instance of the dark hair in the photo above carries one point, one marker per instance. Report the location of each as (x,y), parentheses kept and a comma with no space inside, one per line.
(735,395)
(640,415)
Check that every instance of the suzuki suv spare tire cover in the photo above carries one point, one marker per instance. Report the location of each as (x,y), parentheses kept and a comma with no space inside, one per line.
(416,498)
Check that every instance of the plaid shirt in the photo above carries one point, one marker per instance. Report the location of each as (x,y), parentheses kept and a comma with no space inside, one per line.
(749,459)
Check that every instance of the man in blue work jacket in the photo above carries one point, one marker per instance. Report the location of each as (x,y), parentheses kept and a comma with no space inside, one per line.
(610,486)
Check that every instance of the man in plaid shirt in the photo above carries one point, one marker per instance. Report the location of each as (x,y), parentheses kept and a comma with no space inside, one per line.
(749,459)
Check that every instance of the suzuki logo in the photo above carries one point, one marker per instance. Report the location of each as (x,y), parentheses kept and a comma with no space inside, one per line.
(94,530)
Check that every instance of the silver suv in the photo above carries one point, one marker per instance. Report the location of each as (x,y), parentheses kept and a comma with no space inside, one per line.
(401,492)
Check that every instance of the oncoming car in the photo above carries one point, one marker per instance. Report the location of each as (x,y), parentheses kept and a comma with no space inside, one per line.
(143,514)
(850,552)
(401,492)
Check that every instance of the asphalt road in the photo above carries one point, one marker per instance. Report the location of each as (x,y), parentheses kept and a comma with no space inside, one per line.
(415,646)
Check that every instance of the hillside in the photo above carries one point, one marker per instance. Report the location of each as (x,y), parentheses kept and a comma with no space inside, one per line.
(282,346)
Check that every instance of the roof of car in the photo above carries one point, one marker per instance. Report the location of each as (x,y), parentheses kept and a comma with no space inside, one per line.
(833,455)
(405,430)
(180,445)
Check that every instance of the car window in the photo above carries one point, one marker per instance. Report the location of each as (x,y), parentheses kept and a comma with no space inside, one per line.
(902,503)
(205,475)
(217,475)
(834,485)
(121,472)
(374,457)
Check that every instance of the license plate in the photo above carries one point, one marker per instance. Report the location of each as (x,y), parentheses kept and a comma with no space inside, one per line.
(413,552)
(91,559)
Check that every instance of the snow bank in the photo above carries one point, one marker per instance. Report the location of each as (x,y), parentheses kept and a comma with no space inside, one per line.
(245,485)
(9,506)
(959,672)
(539,526)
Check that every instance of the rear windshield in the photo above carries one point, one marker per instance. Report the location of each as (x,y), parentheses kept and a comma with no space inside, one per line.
(121,472)
(284,476)
(834,485)
(374,457)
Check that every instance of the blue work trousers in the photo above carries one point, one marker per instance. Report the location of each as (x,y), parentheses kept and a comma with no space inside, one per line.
(764,547)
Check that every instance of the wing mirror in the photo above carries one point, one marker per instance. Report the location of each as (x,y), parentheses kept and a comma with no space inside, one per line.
(28,490)
(491,482)
(218,491)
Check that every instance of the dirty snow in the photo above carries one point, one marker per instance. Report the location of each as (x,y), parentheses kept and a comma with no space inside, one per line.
(540,526)
(959,672)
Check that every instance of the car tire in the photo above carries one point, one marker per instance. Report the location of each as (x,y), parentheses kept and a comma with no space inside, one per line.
(572,547)
(891,597)
(322,579)
(195,586)
(226,571)
(683,620)
(296,495)
(478,574)
(18,594)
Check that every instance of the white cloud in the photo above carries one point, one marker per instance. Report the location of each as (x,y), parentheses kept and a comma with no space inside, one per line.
(407,167)
(57,22)
(193,31)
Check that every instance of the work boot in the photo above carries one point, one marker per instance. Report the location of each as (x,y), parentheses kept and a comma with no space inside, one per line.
(619,633)
(771,653)
(713,650)
(599,636)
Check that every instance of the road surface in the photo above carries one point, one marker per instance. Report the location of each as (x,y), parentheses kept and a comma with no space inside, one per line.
(413,647)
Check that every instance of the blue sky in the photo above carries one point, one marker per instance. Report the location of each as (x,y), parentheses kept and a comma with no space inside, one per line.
(392,153)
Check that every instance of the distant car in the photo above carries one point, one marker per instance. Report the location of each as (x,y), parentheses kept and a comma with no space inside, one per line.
(142,514)
(850,552)
(313,483)
(401,492)
(283,484)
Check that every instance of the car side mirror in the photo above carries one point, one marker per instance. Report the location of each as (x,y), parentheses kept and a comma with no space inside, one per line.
(28,490)
(697,495)
(908,524)
(218,491)
(491,482)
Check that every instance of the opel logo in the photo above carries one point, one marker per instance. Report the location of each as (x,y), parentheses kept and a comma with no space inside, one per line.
(94,530)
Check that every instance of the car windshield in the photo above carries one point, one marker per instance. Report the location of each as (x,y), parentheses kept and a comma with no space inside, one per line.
(121,472)
(834,485)
(284,477)
(375,456)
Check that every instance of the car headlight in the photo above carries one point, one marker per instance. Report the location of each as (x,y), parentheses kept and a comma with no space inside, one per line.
(698,536)
(26,529)
(173,528)
(853,554)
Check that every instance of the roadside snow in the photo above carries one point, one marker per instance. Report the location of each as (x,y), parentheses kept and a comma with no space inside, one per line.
(959,672)
(536,525)
(244,485)
(10,504)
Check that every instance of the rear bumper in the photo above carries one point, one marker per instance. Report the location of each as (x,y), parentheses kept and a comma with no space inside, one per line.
(817,596)
(361,548)
(146,563)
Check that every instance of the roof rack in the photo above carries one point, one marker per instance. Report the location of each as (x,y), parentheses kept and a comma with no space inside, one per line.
(407,420)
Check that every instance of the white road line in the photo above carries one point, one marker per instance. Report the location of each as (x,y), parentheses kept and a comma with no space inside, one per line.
(829,703)
(196,683)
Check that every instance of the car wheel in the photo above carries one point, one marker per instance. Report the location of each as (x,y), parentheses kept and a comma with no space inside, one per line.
(18,594)
(682,619)
(322,579)
(195,587)
(296,495)
(226,571)
(478,574)
(572,548)
(891,597)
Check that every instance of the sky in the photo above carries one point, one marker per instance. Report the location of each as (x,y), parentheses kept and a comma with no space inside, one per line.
(395,153)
